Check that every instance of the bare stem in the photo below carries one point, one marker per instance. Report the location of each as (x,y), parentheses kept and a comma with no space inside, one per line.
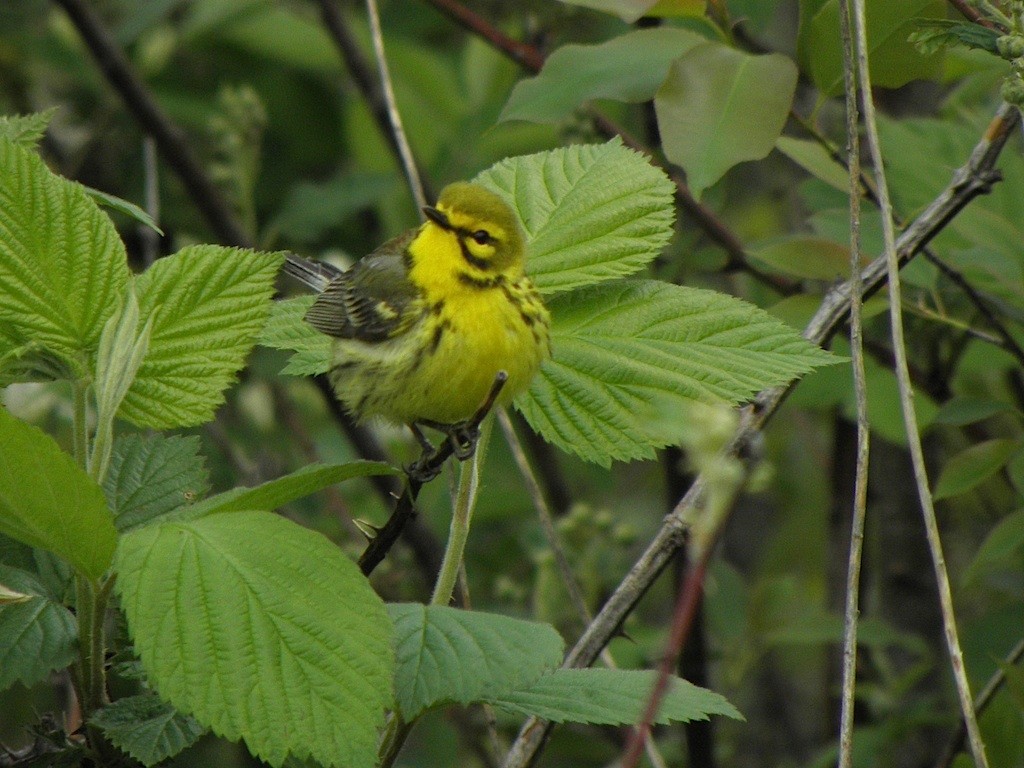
(395,118)
(852,608)
(906,389)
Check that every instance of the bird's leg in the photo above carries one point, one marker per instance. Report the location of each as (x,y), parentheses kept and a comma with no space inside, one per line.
(428,465)
(425,444)
(460,438)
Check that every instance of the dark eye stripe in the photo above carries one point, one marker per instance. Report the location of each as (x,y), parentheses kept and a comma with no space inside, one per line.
(475,261)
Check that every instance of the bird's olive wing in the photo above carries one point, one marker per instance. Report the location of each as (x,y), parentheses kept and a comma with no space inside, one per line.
(370,301)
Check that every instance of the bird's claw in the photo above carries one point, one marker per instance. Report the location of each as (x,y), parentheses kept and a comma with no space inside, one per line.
(464,438)
(424,469)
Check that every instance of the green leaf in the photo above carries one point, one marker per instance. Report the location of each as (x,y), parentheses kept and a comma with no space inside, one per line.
(208,304)
(933,35)
(37,636)
(26,130)
(263,631)
(47,501)
(816,160)
(627,68)
(628,355)
(148,729)
(276,493)
(961,411)
(286,329)
(151,475)
(973,466)
(1006,538)
(591,212)
(449,655)
(612,697)
(810,258)
(62,266)
(894,60)
(131,210)
(720,106)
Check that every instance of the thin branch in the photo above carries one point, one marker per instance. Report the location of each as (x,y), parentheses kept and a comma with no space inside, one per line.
(1006,339)
(974,178)
(544,515)
(859,25)
(852,608)
(394,117)
(998,679)
(523,54)
(360,69)
(971,14)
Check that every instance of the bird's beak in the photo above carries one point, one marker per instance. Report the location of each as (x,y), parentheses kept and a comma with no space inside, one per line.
(438,217)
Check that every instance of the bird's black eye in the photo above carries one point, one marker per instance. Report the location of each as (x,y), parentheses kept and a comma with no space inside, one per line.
(482,236)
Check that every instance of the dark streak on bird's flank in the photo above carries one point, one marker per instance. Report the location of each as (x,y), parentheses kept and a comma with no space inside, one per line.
(435,342)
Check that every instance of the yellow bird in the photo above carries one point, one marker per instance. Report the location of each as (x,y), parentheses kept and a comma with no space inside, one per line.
(423,325)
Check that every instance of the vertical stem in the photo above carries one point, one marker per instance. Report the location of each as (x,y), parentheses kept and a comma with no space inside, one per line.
(458,533)
(91,605)
(79,432)
(906,394)
(397,729)
(404,150)
(852,608)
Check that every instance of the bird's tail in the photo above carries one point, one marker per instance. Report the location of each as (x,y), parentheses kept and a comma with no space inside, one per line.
(314,274)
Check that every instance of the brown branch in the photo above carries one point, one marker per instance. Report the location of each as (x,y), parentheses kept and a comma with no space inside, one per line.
(523,54)
(972,14)
(974,178)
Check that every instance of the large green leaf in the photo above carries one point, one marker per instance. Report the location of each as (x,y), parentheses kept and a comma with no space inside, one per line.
(448,655)
(720,106)
(629,355)
(208,304)
(47,501)
(148,729)
(627,68)
(894,60)
(151,475)
(591,212)
(62,265)
(261,630)
(612,697)
(37,636)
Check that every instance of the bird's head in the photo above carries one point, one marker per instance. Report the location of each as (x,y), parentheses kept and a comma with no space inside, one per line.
(489,236)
